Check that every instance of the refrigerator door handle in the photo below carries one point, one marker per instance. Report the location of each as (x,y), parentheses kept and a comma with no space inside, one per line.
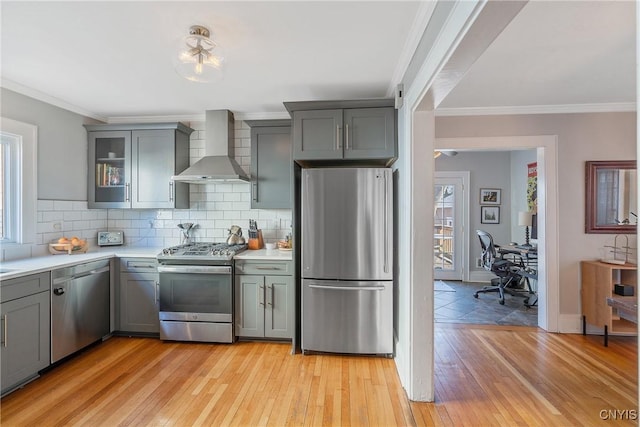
(386,224)
(349,288)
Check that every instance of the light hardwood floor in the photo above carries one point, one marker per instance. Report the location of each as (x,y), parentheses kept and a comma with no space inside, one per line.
(485,376)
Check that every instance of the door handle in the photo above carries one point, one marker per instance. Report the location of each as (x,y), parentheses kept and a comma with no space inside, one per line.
(270,295)
(6,330)
(349,288)
(346,137)
(127,197)
(261,295)
(386,225)
(171,191)
(255,191)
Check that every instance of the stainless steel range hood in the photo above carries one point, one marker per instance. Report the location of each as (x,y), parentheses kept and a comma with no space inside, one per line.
(218,164)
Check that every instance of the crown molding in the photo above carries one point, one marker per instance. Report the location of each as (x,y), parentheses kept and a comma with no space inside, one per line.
(197,117)
(538,109)
(283,115)
(418,27)
(187,118)
(52,100)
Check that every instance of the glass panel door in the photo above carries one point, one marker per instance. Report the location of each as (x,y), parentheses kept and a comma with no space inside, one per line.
(111,164)
(448,230)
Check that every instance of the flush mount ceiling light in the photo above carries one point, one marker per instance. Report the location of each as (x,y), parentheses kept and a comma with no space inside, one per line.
(199,58)
(448,153)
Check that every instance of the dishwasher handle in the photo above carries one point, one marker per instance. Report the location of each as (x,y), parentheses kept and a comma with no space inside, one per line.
(66,279)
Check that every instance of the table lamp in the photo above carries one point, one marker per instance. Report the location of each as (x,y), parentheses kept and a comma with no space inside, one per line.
(525,219)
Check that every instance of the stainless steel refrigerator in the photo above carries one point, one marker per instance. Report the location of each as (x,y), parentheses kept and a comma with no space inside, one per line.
(347,257)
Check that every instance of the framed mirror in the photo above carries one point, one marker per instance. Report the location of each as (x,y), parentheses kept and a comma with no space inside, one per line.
(612,197)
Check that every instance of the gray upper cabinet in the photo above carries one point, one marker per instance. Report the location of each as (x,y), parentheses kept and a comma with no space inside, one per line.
(350,134)
(271,164)
(370,133)
(130,166)
(317,135)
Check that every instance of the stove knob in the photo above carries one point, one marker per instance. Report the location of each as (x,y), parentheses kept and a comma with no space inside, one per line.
(165,251)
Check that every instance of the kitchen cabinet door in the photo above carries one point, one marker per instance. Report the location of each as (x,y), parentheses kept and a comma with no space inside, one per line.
(138,303)
(271,167)
(138,296)
(369,133)
(249,306)
(317,135)
(155,160)
(25,339)
(109,169)
(279,307)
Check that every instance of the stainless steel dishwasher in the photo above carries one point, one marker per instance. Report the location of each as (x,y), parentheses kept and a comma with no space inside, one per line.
(79,307)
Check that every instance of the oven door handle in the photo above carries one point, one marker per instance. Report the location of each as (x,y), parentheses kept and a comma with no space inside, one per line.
(195,269)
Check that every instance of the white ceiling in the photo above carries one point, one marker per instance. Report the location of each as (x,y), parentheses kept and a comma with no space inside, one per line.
(114,59)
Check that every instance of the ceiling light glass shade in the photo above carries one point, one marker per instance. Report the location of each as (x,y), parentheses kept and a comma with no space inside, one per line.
(199,58)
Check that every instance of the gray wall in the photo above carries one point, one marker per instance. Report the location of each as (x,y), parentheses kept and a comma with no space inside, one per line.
(487,169)
(581,137)
(62,145)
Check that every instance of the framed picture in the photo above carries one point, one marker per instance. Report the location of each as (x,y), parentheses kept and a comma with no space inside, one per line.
(490,196)
(489,215)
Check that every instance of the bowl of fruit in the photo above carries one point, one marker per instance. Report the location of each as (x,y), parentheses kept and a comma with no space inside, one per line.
(68,246)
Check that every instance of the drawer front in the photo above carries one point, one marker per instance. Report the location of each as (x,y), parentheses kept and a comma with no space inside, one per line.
(24,286)
(284,268)
(148,265)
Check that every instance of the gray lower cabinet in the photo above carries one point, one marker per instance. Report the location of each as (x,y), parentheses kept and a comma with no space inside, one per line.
(25,315)
(270,165)
(264,303)
(130,166)
(138,296)
(349,134)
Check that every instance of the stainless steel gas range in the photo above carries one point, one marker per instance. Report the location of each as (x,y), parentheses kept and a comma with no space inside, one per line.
(196,292)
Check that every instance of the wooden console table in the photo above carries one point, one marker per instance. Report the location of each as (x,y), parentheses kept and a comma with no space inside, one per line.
(600,306)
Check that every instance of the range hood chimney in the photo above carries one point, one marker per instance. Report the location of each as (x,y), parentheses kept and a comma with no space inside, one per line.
(218,164)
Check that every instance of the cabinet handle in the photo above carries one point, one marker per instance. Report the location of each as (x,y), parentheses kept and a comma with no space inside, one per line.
(156,293)
(5,318)
(337,137)
(261,295)
(255,191)
(346,137)
(127,198)
(268,268)
(171,191)
(270,295)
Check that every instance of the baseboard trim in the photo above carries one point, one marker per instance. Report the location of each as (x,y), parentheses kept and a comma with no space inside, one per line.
(481,276)
(570,323)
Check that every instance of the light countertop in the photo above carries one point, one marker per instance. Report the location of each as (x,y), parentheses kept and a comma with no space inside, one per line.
(265,254)
(25,266)
(22,267)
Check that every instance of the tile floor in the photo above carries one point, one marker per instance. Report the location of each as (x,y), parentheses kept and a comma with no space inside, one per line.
(457,305)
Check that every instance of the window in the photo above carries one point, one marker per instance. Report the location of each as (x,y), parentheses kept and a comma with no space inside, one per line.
(18,167)
(9,150)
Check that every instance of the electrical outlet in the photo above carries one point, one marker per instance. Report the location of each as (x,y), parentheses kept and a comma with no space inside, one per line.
(479,262)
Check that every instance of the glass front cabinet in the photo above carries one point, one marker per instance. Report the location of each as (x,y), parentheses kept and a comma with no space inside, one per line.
(130,166)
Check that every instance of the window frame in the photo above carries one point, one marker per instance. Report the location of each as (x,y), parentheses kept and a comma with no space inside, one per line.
(24,170)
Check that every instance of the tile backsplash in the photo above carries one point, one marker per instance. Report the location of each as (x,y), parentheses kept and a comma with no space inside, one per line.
(214,208)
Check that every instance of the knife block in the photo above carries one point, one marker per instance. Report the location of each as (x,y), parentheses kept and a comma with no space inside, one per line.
(256,243)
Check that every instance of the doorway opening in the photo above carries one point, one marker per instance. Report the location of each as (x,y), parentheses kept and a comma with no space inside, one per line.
(543,151)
